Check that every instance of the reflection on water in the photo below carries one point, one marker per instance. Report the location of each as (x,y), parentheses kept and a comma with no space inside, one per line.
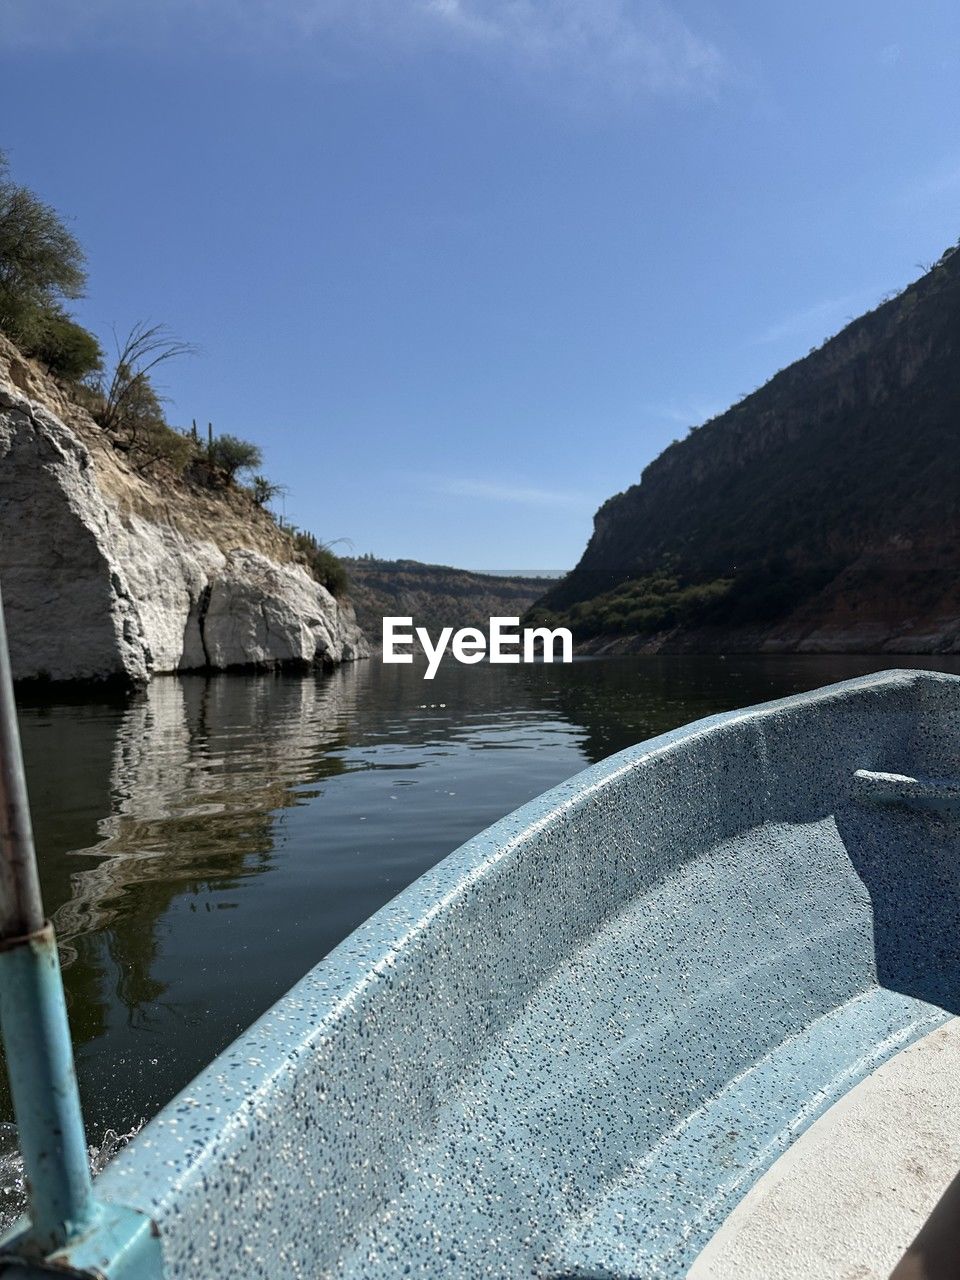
(206,842)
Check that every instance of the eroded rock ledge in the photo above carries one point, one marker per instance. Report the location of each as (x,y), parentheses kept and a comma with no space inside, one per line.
(94,589)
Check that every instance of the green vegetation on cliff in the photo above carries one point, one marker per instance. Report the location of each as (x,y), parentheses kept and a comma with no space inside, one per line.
(42,267)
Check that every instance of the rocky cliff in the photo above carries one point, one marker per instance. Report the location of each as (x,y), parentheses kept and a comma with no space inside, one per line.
(107,573)
(820,513)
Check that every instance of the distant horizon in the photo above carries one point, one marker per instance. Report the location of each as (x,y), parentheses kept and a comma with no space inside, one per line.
(461,568)
(523,573)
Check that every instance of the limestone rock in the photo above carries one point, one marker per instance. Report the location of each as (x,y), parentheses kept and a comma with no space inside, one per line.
(92,589)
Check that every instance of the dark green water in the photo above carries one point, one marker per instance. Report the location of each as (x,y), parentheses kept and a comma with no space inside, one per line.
(205,842)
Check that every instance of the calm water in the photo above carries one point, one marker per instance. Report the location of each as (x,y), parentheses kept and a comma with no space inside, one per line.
(206,842)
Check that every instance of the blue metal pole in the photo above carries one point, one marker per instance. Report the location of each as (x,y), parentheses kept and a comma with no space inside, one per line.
(46,1104)
(21,908)
(33,1016)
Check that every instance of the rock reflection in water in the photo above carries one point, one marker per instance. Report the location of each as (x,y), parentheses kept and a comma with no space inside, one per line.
(200,770)
(205,843)
(192,792)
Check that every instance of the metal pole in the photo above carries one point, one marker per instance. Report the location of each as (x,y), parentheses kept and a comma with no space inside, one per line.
(33,1016)
(21,910)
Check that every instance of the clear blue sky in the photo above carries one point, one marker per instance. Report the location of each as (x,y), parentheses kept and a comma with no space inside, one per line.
(463,267)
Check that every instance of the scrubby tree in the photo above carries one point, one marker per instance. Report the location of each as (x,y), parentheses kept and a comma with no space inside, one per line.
(41,266)
(129,397)
(325,567)
(66,348)
(231,455)
(130,409)
(41,263)
(159,443)
(264,491)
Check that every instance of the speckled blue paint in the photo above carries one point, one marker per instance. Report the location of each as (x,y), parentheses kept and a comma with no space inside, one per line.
(570,1048)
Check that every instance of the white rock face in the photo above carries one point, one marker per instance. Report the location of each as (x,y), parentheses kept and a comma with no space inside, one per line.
(92,592)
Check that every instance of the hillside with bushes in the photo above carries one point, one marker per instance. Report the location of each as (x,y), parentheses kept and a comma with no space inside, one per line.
(131,547)
(820,513)
(109,395)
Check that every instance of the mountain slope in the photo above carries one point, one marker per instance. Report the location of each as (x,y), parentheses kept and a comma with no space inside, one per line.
(434,595)
(822,512)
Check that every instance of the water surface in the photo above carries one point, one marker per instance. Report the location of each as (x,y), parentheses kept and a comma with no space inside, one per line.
(205,842)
